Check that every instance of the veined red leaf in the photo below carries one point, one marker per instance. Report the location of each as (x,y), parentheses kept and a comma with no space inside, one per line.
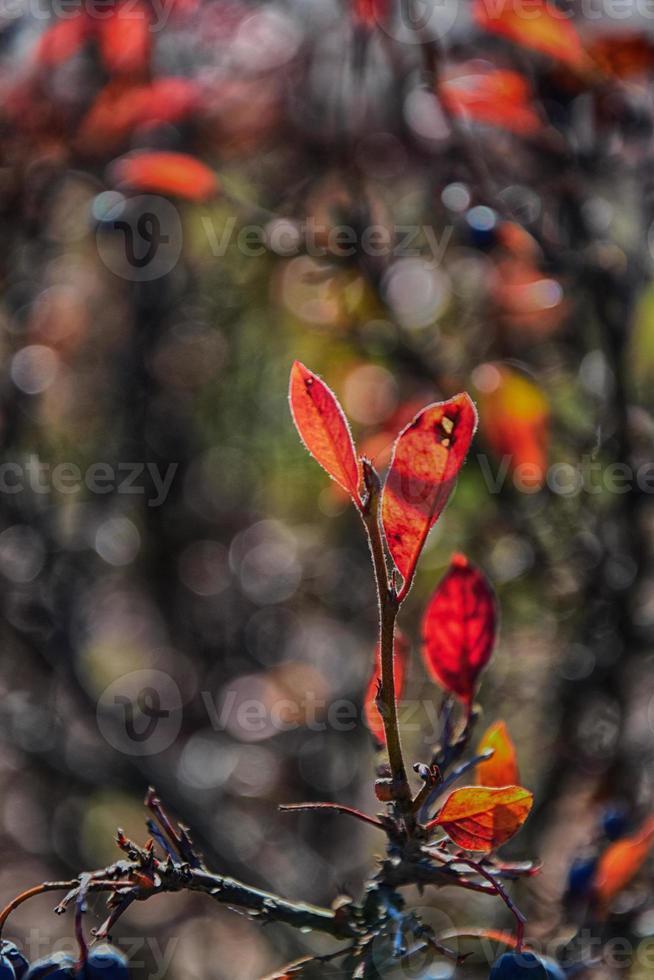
(162,172)
(323,428)
(427,457)
(124,38)
(400,661)
(621,862)
(502,767)
(482,818)
(542,29)
(459,627)
(495,96)
(62,40)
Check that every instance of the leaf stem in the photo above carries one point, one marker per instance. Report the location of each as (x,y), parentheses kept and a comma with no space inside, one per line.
(388,609)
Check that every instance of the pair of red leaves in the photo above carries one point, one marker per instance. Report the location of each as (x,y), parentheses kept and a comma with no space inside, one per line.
(122,35)
(427,457)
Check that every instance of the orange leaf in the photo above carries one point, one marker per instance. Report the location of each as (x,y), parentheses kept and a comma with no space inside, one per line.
(427,457)
(502,767)
(459,627)
(162,172)
(542,28)
(124,38)
(482,818)
(370,709)
(323,428)
(621,862)
(491,95)
(515,420)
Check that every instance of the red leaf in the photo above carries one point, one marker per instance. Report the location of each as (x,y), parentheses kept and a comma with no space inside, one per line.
(400,661)
(491,95)
(122,107)
(427,457)
(124,38)
(542,29)
(483,818)
(623,55)
(515,418)
(161,172)
(502,767)
(62,40)
(323,428)
(458,628)
(621,862)
(370,12)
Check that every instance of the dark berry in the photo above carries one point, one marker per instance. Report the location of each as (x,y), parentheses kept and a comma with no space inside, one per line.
(614,822)
(6,969)
(105,963)
(580,876)
(57,966)
(525,966)
(15,957)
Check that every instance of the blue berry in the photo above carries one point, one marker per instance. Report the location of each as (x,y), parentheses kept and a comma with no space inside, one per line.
(57,966)
(105,963)
(519,966)
(580,876)
(614,822)
(15,957)
(6,969)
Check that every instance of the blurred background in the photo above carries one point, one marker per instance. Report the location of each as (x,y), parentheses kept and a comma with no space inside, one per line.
(193,194)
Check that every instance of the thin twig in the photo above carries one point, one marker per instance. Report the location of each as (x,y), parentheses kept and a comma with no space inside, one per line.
(336,808)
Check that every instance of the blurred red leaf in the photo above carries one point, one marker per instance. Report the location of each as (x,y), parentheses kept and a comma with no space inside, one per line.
(542,28)
(124,38)
(161,172)
(621,862)
(515,422)
(121,107)
(491,95)
(482,818)
(502,767)
(458,628)
(400,661)
(427,457)
(323,428)
(62,40)
(370,12)
(624,55)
